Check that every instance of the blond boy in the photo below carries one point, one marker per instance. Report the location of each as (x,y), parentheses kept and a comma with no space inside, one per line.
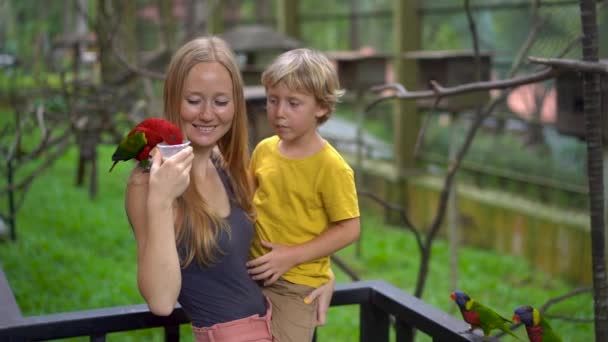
(306,200)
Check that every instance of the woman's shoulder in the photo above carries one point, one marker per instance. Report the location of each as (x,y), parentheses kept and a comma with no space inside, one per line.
(139,177)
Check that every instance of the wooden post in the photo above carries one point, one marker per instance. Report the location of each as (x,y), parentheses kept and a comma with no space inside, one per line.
(288,20)
(374,324)
(215,17)
(406,119)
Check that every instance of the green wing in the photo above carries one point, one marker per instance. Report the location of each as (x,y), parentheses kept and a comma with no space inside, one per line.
(548,334)
(491,320)
(130,146)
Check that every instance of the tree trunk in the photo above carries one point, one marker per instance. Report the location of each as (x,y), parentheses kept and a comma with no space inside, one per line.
(593,125)
(167,24)
(354,26)
(191,23)
(115,27)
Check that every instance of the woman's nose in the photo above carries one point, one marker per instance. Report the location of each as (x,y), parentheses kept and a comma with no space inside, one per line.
(205,111)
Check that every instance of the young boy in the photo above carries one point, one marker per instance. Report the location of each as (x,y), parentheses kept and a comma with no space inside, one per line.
(305,197)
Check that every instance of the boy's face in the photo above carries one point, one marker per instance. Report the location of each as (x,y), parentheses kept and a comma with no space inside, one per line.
(291,114)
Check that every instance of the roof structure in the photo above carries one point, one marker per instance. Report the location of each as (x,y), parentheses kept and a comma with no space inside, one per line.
(251,38)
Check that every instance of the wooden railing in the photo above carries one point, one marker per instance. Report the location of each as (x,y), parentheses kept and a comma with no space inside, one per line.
(380,303)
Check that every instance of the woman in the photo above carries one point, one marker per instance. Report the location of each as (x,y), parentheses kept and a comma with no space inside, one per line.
(192,214)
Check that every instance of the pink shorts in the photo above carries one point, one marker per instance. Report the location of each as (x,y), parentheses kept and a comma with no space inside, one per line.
(248,329)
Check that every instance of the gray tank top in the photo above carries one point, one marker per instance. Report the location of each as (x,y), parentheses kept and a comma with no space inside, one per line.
(224,291)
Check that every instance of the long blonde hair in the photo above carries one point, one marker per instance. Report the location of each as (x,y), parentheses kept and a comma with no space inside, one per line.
(197,227)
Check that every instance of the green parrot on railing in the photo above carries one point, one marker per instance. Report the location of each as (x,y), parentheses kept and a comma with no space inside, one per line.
(143,138)
(480,316)
(538,328)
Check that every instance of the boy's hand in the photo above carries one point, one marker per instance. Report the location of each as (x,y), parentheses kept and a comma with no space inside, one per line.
(324,293)
(272,265)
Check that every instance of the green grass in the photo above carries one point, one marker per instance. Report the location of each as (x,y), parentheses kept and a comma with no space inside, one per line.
(74,253)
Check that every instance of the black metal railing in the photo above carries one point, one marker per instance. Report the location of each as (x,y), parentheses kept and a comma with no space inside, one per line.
(380,303)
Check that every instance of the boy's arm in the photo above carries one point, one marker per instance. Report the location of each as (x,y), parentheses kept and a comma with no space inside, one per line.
(272,265)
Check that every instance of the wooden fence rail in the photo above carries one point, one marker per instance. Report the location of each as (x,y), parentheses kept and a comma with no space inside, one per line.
(379,302)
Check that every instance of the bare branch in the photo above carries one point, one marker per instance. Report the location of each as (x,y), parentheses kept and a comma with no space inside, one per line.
(570,319)
(571,64)
(421,134)
(397,87)
(475,38)
(537,23)
(563,297)
(570,46)
(135,69)
(402,214)
(48,162)
(440,91)
(352,274)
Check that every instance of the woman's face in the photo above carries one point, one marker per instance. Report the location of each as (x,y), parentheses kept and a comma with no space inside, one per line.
(207,104)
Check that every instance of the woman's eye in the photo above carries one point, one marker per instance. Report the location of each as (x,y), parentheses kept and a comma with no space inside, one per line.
(294,104)
(192,101)
(221,103)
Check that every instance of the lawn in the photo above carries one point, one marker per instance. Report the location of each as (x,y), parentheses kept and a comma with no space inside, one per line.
(74,253)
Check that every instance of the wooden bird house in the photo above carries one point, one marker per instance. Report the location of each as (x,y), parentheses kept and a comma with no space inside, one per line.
(448,69)
(570,116)
(359,71)
(256,46)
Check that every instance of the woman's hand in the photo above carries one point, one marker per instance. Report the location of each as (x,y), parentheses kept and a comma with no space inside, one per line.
(169,178)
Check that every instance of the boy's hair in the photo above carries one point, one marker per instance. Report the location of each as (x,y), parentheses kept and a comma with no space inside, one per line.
(308,71)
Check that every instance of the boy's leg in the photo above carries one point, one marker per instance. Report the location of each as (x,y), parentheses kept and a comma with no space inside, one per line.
(292,319)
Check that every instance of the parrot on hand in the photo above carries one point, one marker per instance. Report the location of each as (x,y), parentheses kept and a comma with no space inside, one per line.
(143,138)
(479,315)
(537,326)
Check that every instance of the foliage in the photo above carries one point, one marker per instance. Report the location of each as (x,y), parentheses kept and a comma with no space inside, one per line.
(74,253)
(490,149)
(562,160)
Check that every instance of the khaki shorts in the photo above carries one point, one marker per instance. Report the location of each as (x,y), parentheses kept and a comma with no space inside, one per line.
(292,319)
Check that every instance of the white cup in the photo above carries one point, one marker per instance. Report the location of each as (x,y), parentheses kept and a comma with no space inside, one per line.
(167,150)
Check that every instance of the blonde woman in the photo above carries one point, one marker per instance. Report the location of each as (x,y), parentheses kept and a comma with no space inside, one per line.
(192,214)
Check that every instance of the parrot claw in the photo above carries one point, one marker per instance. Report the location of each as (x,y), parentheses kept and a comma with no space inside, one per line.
(145,164)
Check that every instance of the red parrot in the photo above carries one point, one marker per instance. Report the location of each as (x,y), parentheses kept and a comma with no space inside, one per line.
(143,138)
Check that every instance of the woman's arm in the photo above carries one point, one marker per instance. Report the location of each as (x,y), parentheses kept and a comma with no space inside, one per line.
(149,206)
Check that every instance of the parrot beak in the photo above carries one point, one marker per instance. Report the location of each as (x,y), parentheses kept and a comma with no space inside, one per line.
(453,296)
(516,319)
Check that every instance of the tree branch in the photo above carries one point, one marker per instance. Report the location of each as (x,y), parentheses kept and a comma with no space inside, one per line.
(440,91)
(571,64)
(135,69)
(402,214)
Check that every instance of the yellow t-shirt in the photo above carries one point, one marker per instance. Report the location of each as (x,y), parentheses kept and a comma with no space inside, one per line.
(297,199)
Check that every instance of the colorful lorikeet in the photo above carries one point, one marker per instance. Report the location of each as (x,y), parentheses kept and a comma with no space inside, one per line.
(538,328)
(143,138)
(479,315)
